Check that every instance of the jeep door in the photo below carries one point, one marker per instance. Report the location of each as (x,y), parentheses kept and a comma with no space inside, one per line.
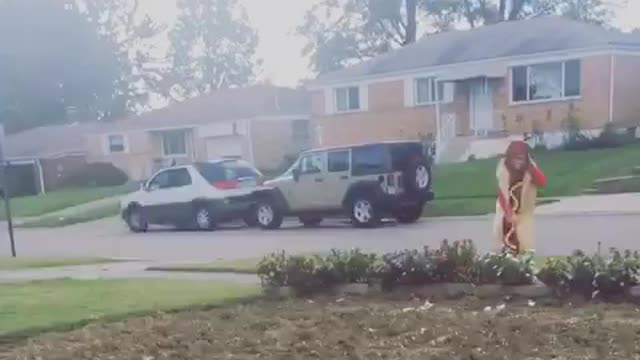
(307,191)
(337,178)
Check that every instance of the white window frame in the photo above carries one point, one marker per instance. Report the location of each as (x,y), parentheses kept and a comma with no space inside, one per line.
(528,87)
(107,144)
(164,149)
(347,88)
(432,80)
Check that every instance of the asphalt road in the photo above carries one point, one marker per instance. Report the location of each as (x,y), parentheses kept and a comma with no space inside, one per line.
(555,235)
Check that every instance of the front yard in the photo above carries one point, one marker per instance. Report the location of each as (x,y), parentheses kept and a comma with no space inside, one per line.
(31,307)
(353,328)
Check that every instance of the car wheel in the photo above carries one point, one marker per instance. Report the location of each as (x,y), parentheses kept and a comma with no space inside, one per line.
(364,213)
(136,221)
(268,216)
(250,219)
(203,219)
(309,221)
(418,176)
(409,214)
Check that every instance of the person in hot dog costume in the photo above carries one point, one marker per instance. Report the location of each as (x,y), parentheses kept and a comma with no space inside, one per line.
(518,180)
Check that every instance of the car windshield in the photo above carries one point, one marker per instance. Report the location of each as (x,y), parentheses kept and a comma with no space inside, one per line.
(227,170)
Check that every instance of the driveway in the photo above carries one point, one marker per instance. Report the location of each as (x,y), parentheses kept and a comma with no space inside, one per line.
(557,234)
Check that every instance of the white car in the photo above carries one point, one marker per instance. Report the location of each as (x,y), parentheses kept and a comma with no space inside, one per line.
(197,196)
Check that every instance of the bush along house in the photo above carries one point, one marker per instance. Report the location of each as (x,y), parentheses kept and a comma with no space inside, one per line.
(473,91)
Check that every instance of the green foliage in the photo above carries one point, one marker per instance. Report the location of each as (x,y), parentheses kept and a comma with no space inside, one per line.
(555,273)
(618,272)
(411,267)
(517,270)
(212,47)
(95,174)
(352,266)
(486,269)
(272,269)
(454,263)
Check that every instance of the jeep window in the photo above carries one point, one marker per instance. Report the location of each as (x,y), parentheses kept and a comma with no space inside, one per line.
(311,163)
(370,159)
(403,153)
(338,161)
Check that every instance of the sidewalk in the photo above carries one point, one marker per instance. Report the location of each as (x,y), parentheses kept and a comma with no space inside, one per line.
(116,270)
(610,204)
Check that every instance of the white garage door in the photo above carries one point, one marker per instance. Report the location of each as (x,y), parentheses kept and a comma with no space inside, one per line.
(225,147)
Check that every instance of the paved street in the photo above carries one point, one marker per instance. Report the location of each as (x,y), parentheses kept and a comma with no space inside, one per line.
(109,238)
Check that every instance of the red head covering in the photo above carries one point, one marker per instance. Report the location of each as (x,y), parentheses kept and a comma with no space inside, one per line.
(516,148)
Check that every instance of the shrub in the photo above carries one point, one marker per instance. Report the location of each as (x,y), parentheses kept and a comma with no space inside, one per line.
(618,272)
(409,267)
(582,271)
(517,270)
(351,266)
(555,273)
(486,269)
(94,175)
(454,263)
(272,269)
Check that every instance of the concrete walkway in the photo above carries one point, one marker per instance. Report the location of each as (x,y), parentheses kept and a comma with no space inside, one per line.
(610,204)
(117,270)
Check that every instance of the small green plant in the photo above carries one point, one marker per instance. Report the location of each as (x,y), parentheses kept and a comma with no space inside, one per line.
(486,269)
(410,267)
(517,270)
(352,266)
(618,272)
(272,269)
(454,262)
(582,271)
(555,273)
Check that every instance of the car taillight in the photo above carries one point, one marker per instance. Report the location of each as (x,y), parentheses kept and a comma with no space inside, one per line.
(226,184)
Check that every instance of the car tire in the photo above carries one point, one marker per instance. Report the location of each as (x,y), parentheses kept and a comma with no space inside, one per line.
(250,219)
(268,216)
(309,221)
(203,219)
(364,212)
(409,214)
(135,220)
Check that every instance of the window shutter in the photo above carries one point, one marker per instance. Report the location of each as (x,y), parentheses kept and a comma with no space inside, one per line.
(364,97)
(409,92)
(329,101)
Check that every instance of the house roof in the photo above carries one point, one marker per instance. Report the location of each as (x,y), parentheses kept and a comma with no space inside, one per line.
(506,39)
(222,105)
(46,141)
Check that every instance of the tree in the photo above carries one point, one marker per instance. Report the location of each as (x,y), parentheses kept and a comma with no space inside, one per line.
(341,32)
(53,60)
(212,47)
(132,34)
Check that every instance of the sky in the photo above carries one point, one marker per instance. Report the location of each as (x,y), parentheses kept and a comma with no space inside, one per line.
(280,49)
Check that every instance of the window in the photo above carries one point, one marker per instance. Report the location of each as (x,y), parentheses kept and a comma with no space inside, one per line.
(338,161)
(300,129)
(546,81)
(347,98)
(425,91)
(227,171)
(371,159)
(170,179)
(311,164)
(116,143)
(174,143)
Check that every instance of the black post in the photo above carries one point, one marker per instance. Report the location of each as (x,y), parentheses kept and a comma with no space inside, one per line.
(7,206)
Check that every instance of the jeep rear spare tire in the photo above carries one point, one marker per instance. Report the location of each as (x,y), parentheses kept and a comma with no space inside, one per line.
(364,212)
(417,176)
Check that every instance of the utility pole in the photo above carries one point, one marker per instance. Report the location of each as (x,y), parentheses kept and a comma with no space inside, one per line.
(6,195)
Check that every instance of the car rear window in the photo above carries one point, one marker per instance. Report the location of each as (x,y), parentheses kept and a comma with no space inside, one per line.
(402,153)
(370,159)
(227,170)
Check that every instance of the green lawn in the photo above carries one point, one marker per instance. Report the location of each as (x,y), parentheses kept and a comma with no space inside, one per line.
(42,204)
(20,263)
(569,172)
(31,307)
(89,215)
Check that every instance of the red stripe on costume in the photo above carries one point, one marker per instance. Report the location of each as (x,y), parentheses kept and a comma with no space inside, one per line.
(537,176)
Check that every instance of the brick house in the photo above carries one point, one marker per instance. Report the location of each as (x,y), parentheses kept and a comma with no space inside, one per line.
(261,124)
(474,90)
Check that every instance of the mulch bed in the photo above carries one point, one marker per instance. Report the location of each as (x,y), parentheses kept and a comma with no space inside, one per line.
(357,328)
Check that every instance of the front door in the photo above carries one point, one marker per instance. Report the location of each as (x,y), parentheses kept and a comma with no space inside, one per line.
(337,179)
(480,106)
(308,191)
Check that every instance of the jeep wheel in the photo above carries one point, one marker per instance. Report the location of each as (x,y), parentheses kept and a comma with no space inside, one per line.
(203,220)
(310,221)
(250,218)
(269,218)
(364,213)
(409,214)
(135,220)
